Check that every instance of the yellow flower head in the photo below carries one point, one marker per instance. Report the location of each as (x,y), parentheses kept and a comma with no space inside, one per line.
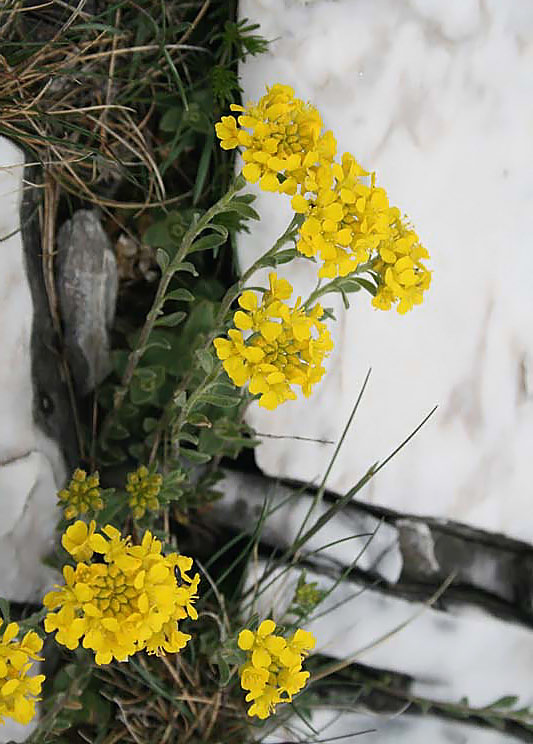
(272,672)
(82,494)
(403,277)
(284,138)
(144,490)
(76,540)
(345,217)
(286,346)
(126,601)
(348,222)
(18,689)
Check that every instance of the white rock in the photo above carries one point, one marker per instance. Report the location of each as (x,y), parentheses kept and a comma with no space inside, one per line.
(388,730)
(449,654)
(31,465)
(436,98)
(246,495)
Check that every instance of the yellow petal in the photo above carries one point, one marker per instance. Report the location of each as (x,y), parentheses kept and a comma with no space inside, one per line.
(242,321)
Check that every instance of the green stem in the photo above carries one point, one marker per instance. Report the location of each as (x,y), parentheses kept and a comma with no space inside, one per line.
(135,356)
(220,322)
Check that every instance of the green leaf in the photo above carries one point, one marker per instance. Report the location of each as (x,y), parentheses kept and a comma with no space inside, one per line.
(171,119)
(207,243)
(222,401)
(197,120)
(137,451)
(182,295)
(139,393)
(4,609)
(151,377)
(171,320)
(174,478)
(243,209)
(369,286)
(240,182)
(149,424)
(181,399)
(158,342)
(117,431)
(285,256)
(507,701)
(163,259)
(198,419)
(224,672)
(206,360)
(184,436)
(188,267)
(156,234)
(198,458)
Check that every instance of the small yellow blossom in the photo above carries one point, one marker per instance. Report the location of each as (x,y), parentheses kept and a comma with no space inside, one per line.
(18,689)
(76,540)
(81,495)
(144,490)
(403,277)
(126,601)
(272,672)
(286,346)
(284,139)
(345,219)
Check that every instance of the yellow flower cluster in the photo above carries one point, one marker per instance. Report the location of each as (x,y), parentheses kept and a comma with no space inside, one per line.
(17,688)
(403,276)
(284,139)
(286,347)
(144,490)
(273,672)
(81,495)
(347,219)
(127,600)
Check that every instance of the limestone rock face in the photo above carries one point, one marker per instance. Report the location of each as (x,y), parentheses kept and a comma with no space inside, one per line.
(32,466)
(419,92)
(34,417)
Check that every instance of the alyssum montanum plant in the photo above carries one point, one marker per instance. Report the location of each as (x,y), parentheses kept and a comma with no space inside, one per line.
(120,598)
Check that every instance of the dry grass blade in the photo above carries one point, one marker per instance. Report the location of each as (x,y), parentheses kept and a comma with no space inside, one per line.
(67,93)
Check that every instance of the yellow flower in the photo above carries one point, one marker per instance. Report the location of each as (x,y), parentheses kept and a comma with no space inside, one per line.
(297,646)
(348,222)
(262,644)
(402,275)
(292,680)
(265,703)
(345,218)
(81,495)
(144,490)
(253,678)
(286,348)
(284,139)
(126,601)
(273,666)
(18,690)
(76,540)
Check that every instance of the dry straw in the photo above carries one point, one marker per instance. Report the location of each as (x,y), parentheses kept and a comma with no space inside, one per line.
(79,93)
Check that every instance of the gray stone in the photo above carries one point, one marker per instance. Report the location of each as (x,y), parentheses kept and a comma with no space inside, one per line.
(418,547)
(87,292)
